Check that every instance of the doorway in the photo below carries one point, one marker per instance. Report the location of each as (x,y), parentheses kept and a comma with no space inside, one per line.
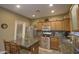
(19,31)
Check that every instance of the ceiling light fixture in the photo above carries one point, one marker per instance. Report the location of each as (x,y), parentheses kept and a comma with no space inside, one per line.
(18,6)
(50,5)
(33,15)
(52,11)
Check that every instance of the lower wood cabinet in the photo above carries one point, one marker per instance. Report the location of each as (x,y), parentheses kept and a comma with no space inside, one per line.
(54,43)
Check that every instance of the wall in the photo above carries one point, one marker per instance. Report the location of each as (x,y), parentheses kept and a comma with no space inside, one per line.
(9,18)
(74,20)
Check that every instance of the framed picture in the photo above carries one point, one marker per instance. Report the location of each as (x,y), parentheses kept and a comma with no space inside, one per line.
(4,26)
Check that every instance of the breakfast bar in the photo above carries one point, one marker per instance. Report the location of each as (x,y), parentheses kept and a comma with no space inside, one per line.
(26,47)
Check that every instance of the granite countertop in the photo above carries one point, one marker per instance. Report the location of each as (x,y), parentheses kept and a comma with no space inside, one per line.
(27,43)
(66,46)
(65,40)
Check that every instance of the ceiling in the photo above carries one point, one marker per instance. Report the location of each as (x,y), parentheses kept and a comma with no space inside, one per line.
(39,10)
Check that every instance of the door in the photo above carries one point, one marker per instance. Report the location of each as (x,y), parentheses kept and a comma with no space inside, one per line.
(19,31)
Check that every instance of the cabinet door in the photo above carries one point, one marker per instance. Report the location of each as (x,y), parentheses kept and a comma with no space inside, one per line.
(53,26)
(62,24)
(54,43)
(78,17)
(46,26)
(67,24)
(59,25)
(39,26)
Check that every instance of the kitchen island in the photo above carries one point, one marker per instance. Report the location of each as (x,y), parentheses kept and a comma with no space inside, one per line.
(31,45)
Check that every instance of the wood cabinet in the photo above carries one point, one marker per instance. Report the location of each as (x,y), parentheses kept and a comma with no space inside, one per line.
(78,17)
(54,43)
(53,25)
(46,25)
(59,25)
(67,24)
(39,25)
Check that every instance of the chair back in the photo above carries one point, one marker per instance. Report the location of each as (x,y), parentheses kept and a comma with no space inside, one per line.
(15,49)
(11,47)
(7,46)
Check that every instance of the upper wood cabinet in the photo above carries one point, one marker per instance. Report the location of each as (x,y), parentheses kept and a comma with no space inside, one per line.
(78,17)
(67,24)
(59,25)
(53,25)
(39,25)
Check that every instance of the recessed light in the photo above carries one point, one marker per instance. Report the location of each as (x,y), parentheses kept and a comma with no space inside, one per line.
(18,6)
(50,5)
(52,11)
(33,15)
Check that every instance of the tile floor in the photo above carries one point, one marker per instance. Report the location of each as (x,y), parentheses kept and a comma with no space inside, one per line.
(48,51)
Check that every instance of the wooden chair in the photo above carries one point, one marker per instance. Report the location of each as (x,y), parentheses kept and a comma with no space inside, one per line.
(14,48)
(7,46)
(11,47)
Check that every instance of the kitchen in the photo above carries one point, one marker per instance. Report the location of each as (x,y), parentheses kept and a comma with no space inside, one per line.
(41,33)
